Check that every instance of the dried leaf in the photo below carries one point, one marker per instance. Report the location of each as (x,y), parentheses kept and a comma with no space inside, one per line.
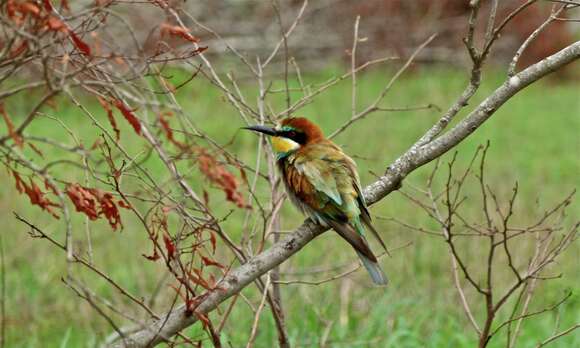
(129,116)
(29,8)
(209,262)
(48,5)
(19,183)
(35,194)
(55,24)
(153,257)
(176,30)
(220,176)
(105,104)
(49,186)
(212,240)
(124,204)
(17,138)
(84,200)
(80,44)
(109,209)
(95,203)
(23,47)
(169,246)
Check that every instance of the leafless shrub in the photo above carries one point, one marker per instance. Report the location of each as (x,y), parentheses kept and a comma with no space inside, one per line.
(485,252)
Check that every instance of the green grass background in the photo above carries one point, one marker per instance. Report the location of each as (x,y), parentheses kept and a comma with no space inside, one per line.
(534,140)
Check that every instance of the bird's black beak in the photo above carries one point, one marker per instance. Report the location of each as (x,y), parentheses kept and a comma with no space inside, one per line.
(262,129)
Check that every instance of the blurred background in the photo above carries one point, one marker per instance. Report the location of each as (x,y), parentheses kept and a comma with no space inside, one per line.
(534,141)
(394,27)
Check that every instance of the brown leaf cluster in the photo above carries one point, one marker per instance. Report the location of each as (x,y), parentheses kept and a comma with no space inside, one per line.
(221,177)
(96,203)
(35,194)
(41,19)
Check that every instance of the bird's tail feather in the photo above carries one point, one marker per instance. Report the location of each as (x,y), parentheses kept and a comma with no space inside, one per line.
(374,270)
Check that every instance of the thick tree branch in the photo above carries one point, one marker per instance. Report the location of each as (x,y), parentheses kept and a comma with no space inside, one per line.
(417,156)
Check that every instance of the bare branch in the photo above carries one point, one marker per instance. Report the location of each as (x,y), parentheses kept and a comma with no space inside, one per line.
(414,158)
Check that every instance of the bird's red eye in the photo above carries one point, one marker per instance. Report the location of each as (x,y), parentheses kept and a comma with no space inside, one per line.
(291,134)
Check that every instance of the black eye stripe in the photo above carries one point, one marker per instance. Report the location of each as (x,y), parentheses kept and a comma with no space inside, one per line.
(298,137)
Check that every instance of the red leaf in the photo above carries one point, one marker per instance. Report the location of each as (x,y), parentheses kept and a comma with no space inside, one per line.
(109,209)
(124,204)
(29,8)
(11,9)
(17,138)
(153,257)
(176,30)
(80,44)
(47,5)
(163,120)
(105,104)
(212,240)
(49,186)
(84,200)
(36,196)
(220,176)
(169,246)
(209,262)
(19,183)
(129,116)
(23,47)
(95,203)
(55,24)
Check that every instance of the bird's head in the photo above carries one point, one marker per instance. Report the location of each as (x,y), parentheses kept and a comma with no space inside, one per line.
(290,134)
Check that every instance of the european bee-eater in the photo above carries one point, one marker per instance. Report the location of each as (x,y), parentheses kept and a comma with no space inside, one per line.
(322,181)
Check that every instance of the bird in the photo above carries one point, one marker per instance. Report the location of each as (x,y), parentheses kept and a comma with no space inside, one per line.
(323,182)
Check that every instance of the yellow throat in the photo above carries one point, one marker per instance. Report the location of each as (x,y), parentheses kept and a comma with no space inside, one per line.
(283,145)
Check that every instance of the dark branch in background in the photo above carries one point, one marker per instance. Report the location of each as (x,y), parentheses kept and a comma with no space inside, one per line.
(418,155)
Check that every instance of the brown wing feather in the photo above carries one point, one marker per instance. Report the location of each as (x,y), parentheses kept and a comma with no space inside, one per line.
(353,238)
(299,185)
